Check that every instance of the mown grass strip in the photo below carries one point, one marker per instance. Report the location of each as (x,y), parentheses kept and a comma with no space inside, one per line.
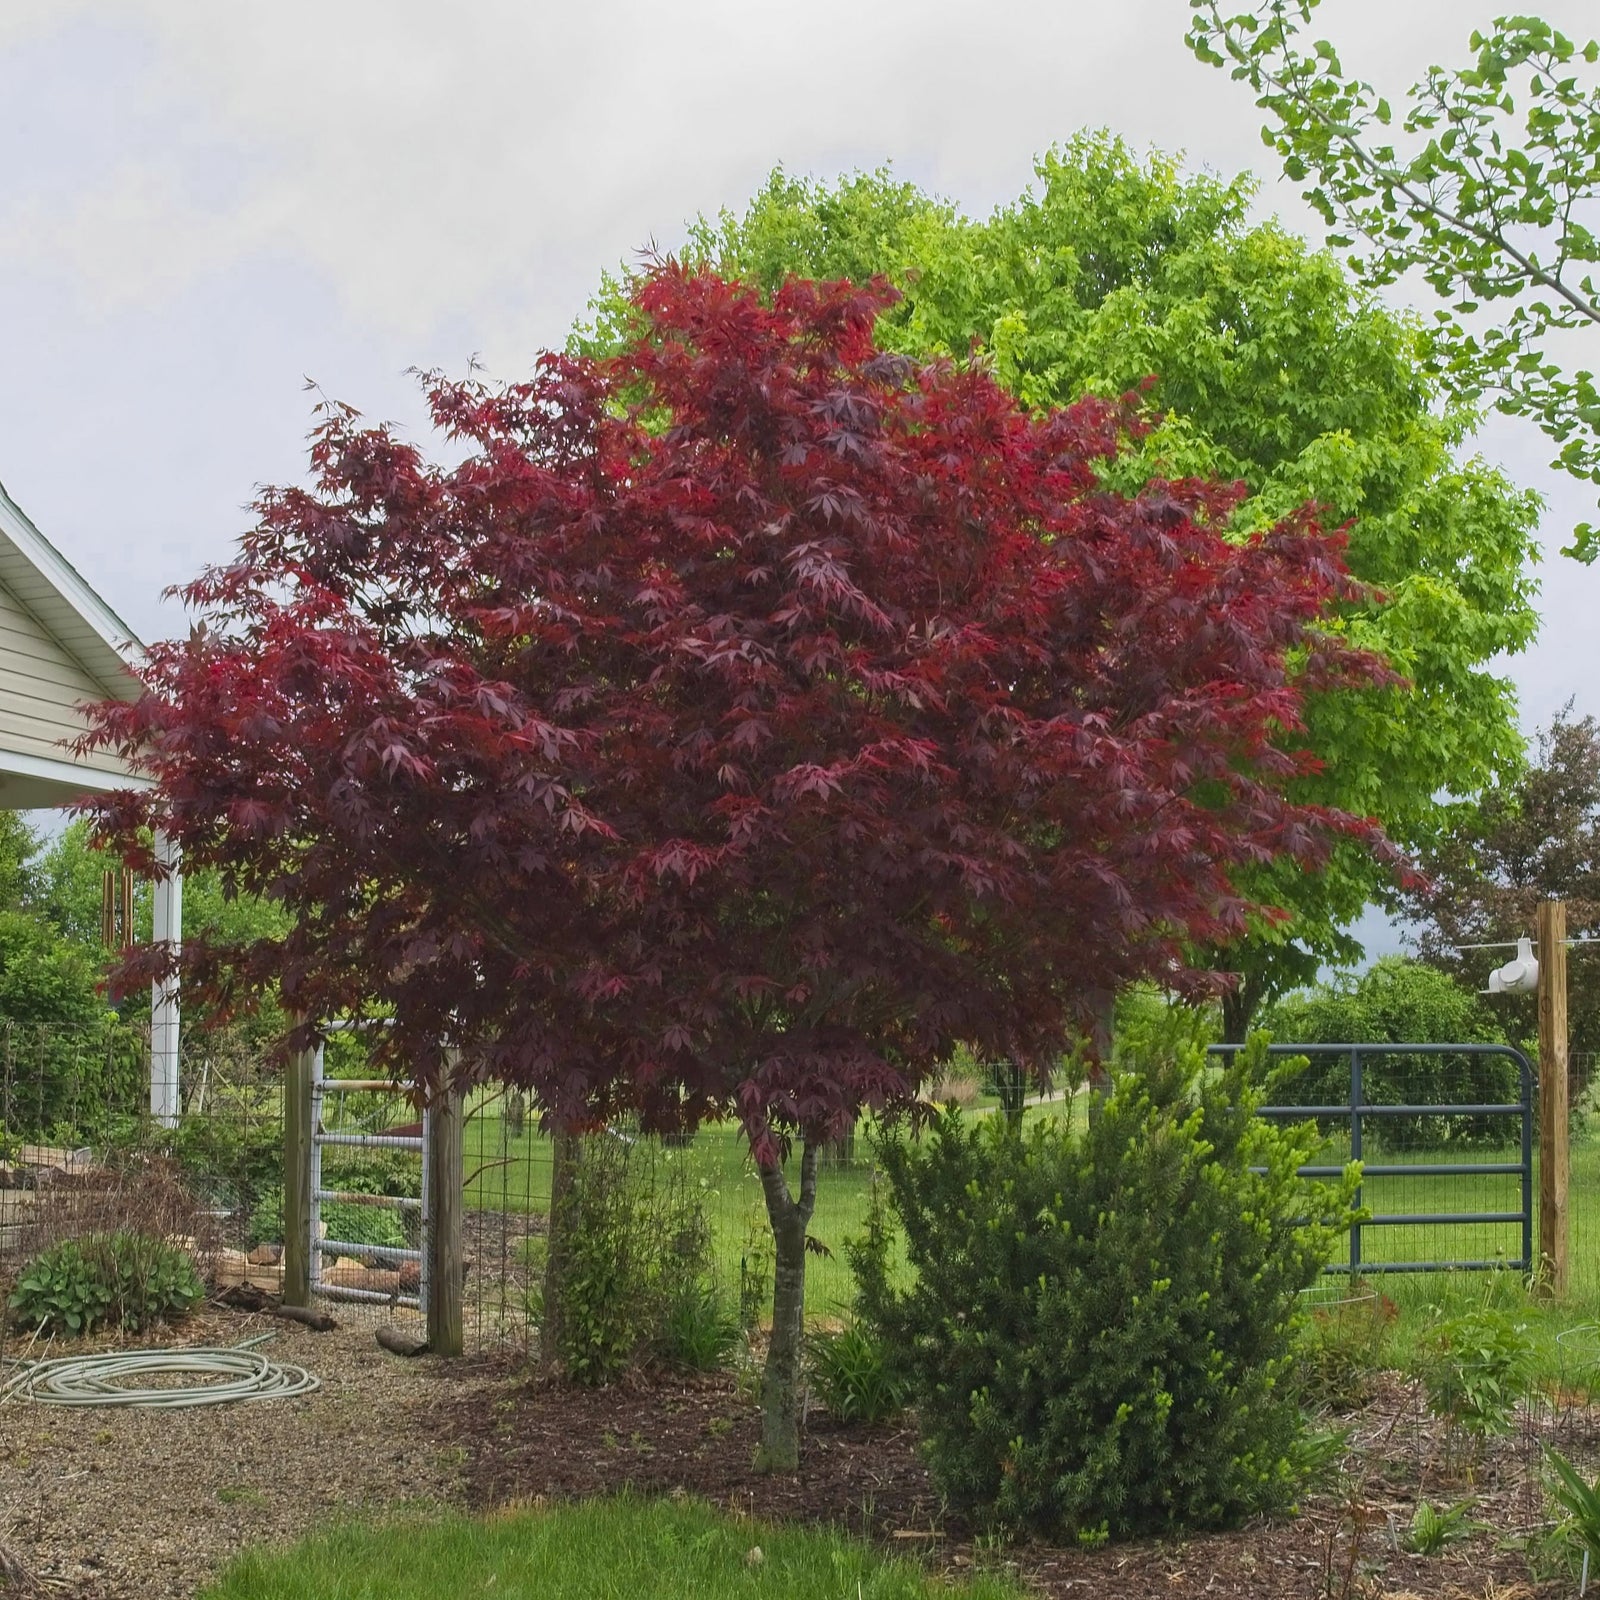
(621,1549)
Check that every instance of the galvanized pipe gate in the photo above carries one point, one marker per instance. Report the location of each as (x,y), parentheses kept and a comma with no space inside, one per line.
(438,1205)
(1360,1111)
(321,1087)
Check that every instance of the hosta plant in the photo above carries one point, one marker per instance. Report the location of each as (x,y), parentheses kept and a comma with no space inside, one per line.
(118,1280)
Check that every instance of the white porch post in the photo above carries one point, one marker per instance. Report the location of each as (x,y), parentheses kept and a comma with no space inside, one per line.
(167,926)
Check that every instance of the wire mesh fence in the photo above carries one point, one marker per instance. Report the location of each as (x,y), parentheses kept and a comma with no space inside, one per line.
(1583,1181)
(80,1153)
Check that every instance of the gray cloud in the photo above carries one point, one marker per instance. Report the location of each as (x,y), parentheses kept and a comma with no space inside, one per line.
(202,203)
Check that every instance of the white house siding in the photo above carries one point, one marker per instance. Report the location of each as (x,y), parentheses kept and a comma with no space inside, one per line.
(40,687)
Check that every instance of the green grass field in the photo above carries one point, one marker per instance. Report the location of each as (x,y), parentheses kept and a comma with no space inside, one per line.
(597,1550)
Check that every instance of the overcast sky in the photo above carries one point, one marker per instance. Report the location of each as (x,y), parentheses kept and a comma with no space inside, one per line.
(203,205)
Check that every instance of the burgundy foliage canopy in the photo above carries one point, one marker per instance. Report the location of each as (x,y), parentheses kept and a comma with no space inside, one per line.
(742,723)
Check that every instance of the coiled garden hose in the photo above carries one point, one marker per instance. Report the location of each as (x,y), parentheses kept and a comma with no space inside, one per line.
(208,1377)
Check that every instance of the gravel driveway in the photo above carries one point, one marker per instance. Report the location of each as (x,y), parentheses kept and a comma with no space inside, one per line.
(131,1504)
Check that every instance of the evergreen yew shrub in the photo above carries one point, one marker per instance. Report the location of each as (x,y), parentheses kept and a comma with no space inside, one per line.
(1098,1335)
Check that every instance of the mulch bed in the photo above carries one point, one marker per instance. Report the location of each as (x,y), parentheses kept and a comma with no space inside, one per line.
(531,1442)
(131,1505)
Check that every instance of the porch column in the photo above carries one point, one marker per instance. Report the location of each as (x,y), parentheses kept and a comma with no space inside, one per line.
(167,928)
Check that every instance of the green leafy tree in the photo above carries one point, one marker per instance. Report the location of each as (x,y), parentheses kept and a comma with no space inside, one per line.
(18,845)
(64,888)
(1272,367)
(1487,188)
(43,978)
(1401,1001)
(57,1034)
(67,889)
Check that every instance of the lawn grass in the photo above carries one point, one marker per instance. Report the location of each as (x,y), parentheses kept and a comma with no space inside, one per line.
(622,1549)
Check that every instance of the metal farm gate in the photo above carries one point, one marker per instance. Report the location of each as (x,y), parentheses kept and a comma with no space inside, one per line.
(1486,1143)
(328,1132)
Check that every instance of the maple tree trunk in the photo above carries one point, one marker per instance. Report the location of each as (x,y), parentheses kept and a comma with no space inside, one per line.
(563,1171)
(780,1383)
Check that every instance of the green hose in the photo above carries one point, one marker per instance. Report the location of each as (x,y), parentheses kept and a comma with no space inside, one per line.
(216,1377)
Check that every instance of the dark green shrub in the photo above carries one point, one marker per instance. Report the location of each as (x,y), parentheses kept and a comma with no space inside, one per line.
(1102,1321)
(853,1375)
(122,1280)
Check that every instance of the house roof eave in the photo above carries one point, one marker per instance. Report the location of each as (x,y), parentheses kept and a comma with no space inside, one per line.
(49,585)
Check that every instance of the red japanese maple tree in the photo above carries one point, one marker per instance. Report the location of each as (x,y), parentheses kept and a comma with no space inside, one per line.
(739,726)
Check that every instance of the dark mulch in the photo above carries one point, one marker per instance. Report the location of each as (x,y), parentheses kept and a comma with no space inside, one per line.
(538,1441)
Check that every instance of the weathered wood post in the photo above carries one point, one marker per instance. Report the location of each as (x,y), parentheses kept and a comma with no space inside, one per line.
(297,1133)
(446,1261)
(1554,1156)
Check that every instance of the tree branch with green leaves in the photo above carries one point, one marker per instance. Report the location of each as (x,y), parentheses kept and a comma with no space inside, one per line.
(1489,187)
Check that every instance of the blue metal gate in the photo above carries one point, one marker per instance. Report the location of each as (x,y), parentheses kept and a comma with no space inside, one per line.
(1361,1113)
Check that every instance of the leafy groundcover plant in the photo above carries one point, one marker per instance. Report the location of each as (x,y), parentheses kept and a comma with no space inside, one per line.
(1099,1336)
(122,1280)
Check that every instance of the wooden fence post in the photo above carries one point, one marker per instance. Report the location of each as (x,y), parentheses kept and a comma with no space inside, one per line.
(1554,1156)
(297,1179)
(443,1244)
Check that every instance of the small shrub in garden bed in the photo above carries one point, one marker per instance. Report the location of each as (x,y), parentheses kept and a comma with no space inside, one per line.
(1475,1368)
(119,1280)
(854,1377)
(1100,1336)
(1343,1345)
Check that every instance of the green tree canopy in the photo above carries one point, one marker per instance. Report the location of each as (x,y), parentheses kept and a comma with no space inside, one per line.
(1272,367)
(61,886)
(18,845)
(1401,1001)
